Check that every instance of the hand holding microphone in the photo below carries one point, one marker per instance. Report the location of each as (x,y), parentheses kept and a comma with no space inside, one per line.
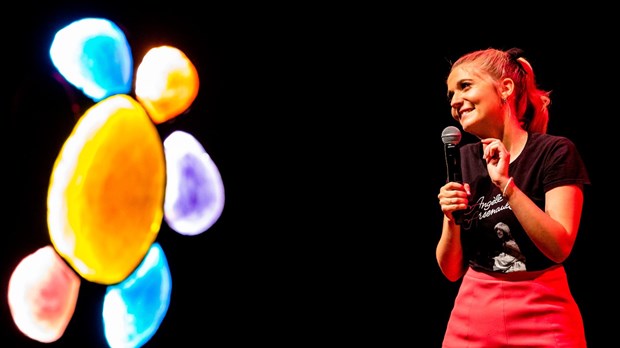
(451,137)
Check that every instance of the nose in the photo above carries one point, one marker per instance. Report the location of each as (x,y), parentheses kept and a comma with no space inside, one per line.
(456,100)
(455,104)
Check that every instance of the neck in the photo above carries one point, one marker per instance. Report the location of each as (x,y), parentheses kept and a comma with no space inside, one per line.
(514,140)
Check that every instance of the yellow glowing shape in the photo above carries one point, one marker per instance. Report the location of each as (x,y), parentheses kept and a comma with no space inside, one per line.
(166,83)
(105,200)
(42,295)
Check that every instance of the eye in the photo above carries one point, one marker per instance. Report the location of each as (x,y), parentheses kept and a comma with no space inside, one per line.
(461,86)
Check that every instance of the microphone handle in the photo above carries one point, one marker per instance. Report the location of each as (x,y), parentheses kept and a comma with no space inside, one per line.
(458,216)
(453,163)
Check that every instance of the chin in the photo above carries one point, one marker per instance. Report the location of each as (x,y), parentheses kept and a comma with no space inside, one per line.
(471,129)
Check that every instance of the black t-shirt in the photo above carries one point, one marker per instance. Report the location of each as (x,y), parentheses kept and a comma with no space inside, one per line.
(492,237)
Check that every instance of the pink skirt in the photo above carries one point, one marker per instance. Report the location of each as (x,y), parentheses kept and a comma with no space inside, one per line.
(518,309)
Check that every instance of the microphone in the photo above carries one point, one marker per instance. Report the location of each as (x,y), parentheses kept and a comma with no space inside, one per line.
(451,137)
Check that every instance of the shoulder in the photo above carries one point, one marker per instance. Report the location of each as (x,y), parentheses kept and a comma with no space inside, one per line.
(558,156)
(540,139)
(551,145)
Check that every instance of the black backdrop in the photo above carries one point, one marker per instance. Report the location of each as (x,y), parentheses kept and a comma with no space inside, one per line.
(325,124)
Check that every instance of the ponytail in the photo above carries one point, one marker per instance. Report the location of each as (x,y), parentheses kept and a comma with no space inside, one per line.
(532,105)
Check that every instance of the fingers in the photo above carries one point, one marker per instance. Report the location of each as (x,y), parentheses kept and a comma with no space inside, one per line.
(453,196)
(494,152)
(492,149)
(497,159)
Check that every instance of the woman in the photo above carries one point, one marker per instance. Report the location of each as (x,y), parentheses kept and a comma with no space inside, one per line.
(532,183)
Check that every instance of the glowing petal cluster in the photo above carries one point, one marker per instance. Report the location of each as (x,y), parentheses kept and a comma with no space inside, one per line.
(42,295)
(134,308)
(194,191)
(166,83)
(105,199)
(93,55)
(107,189)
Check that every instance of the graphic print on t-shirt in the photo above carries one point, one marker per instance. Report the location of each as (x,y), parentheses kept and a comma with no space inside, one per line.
(509,257)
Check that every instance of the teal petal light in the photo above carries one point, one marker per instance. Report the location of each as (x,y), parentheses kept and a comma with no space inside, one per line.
(93,55)
(134,308)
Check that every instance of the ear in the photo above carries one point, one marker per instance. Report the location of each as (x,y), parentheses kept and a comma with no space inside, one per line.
(506,87)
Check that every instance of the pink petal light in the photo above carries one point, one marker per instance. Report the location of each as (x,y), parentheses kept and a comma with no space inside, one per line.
(42,295)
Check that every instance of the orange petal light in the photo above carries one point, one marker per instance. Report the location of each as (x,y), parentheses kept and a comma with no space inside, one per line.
(166,83)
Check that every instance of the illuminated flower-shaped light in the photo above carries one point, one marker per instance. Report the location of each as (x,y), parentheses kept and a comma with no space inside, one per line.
(110,187)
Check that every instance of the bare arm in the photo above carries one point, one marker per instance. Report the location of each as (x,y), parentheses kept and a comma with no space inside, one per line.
(449,251)
(554,230)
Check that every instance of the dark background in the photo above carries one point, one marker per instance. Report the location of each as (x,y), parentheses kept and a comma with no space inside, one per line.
(325,124)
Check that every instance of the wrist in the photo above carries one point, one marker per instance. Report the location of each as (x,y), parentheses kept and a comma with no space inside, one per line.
(508,187)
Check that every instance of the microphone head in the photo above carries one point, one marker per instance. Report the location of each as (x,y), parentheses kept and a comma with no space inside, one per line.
(451,135)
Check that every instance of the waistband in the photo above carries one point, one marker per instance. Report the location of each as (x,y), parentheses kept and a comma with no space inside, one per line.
(553,272)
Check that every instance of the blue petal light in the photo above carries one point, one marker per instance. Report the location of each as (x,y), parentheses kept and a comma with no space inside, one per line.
(134,308)
(93,55)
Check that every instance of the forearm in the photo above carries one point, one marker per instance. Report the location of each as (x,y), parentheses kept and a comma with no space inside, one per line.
(553,232)
(449,251)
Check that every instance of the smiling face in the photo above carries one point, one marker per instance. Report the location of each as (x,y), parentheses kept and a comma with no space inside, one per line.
(475,100)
